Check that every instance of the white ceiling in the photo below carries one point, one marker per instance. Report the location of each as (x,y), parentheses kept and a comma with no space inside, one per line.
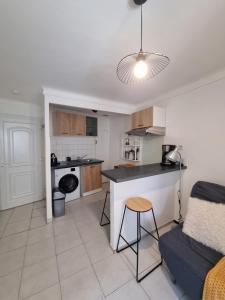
(75,45)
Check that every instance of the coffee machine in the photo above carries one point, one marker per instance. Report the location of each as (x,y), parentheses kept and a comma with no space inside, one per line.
(165,150)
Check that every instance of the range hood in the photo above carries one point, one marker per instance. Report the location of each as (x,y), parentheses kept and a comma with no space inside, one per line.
(147,131)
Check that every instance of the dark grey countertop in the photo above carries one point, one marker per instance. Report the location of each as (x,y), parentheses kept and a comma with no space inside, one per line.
(76,163)
(126,174)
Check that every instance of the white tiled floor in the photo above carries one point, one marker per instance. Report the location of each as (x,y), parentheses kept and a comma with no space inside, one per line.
(70,259)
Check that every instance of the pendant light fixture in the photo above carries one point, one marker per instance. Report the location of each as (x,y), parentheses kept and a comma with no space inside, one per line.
(137,67)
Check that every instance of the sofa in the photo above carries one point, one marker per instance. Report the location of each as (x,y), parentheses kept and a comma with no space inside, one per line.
(188,260)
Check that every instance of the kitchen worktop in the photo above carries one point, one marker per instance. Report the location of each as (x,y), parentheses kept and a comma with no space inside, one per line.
(77,163)
(126,174)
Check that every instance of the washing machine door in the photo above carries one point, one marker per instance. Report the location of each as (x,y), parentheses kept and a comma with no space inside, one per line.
(68,183)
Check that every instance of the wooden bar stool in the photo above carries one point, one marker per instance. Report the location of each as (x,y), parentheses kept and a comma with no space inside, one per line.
(138,205)
(103,212)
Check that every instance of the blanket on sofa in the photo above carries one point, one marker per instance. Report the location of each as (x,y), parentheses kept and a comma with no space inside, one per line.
(214,287)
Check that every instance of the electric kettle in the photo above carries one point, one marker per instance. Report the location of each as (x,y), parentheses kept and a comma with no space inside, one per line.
(54,160)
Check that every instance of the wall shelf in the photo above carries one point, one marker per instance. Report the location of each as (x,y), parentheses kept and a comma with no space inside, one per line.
(131,148)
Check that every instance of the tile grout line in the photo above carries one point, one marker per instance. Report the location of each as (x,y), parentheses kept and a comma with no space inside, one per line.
(7,223)
(57,261)
(52,285)
(14,209)
(4,227)
(92,267)
(23,266)
(132,268)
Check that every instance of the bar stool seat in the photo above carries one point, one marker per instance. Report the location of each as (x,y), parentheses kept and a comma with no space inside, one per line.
(138,205)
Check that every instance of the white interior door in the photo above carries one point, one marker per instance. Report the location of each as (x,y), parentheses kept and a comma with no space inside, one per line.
(20,164)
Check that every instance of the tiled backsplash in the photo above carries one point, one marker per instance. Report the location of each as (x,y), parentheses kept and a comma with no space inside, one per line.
(73,147)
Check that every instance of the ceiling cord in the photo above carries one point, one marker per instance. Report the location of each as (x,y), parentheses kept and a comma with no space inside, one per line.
(141,28)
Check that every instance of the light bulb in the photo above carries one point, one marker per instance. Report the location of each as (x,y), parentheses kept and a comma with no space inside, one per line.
(140,69)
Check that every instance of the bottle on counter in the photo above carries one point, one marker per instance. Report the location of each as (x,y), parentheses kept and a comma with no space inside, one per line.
(127,142)
(126,154)
(132,154)
(137,153)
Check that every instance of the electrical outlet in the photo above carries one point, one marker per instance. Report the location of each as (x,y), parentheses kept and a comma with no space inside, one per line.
(185,162)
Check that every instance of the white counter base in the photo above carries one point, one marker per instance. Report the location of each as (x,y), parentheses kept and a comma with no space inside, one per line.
(160,190)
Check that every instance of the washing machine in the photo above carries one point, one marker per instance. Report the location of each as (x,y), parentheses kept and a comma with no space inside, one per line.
(67,180)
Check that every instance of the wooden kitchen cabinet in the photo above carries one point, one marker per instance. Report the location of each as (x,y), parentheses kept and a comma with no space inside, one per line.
(143,118)
(91,178)
(78,124)
(61,123)
(69,124)
(149,117)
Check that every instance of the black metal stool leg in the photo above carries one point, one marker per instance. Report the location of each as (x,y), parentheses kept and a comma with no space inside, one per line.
(160,263)
(117,248)
(157,232)
(129,245)
(156,227)
(103,212)
(138,239)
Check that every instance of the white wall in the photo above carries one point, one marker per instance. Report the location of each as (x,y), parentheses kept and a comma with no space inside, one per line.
(118,126)
(196,120)
(20,108)
(152,149)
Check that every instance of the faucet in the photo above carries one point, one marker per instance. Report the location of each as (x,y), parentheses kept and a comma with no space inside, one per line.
(81,157)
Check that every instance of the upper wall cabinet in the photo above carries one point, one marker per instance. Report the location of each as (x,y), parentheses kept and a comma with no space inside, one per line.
(149,117)
(61,123)
(91,126)
(78,124)
(69,124)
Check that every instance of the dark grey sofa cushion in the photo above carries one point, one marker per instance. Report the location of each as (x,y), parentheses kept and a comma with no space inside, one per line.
(209,191)
(188,260)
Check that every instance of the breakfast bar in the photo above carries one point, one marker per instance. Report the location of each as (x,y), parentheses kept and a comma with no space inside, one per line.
(154,182)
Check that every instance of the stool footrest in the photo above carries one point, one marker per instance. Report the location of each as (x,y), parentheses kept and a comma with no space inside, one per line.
(107,223)
(128,245)
(149,272)
(149,233)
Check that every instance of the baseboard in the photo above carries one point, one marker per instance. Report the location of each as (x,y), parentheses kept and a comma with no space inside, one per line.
(91,192)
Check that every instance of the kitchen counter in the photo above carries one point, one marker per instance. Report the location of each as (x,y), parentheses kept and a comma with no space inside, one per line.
(77,163)
(126,174)
(155,182)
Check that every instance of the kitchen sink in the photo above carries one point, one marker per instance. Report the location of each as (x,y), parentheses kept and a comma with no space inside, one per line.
(87,160)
